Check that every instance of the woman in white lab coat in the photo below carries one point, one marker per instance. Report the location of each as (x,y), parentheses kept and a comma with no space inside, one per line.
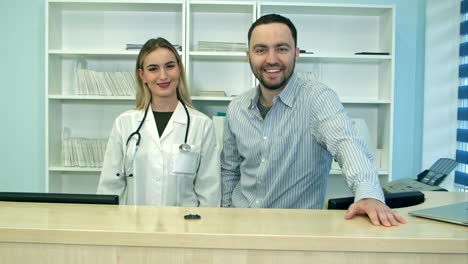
(164,152)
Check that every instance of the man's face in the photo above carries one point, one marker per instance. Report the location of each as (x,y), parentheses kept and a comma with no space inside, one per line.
(272,55)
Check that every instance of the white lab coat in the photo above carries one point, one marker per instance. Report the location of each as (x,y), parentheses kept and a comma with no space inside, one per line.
(161,176)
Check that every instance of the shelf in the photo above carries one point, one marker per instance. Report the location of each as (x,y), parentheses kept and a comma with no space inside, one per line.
(108,52)
(364,101)
(222,54)
(74,169)
(97,31)
(119,5)
(222,6)
(326,9)
(127,98)
(111,24)
(212,98)
(338,172)
(91,97)
(82,169)
(344,100)
(199,98)
(344,58)
(117,1)
(221,3)
(98,53)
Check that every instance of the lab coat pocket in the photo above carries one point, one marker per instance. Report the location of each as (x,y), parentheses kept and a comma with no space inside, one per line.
(185,162)
(184,168)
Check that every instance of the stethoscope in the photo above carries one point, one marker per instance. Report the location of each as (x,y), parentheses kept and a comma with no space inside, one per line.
(184,147)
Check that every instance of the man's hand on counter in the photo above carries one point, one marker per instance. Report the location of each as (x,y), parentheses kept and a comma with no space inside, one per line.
(378,212)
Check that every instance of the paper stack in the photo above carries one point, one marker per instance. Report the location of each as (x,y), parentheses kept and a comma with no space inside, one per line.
(82,152)
(139,46)
(88,82)
(221,46)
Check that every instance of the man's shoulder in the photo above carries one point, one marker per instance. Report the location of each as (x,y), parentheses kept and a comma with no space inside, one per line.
(244,99)
(314,94)
(312,87)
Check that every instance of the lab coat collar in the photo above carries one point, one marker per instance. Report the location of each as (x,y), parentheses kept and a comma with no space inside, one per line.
(150,126)
(178,116)
(148,114)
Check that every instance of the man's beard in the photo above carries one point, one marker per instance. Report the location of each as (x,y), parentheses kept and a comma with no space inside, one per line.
(275,86)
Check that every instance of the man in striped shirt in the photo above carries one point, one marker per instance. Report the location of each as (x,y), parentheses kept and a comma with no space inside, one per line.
(281,137)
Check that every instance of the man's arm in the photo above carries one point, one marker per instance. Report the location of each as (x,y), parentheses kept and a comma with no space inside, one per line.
(355,160)
(230,165)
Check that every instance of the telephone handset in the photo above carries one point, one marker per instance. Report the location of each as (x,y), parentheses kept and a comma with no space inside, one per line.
(428,180)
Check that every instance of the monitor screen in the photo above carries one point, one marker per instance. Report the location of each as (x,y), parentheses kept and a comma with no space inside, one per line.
(59,198)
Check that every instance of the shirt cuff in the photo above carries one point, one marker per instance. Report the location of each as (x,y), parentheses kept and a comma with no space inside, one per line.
(364,190)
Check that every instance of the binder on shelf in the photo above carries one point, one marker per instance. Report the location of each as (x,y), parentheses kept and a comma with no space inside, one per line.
(139,46)
(89,82)
(133,46)
(220,46)
(83,152)
(105,83)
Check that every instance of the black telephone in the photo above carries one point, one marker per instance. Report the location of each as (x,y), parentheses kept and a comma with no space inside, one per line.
(428,180)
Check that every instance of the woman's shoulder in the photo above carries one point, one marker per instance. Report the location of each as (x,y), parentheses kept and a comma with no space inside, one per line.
(198,115)
(129,114)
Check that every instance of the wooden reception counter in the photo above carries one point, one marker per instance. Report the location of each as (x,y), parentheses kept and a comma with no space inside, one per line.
(72,233)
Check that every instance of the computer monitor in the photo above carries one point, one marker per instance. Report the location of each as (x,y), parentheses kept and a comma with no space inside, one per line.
(59,198)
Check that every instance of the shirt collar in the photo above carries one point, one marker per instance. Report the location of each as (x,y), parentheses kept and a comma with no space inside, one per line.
(287,96)
(254,98)
(290,92)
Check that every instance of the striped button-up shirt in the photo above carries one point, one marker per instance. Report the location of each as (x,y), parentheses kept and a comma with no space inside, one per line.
(283,161)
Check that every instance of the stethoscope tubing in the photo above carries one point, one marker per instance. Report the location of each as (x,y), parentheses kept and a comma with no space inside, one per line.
(183,147)
(137,132)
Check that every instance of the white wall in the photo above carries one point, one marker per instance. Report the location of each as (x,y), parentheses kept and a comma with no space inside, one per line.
(440,82)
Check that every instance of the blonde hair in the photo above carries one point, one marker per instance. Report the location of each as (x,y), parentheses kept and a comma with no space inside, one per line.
(143,94)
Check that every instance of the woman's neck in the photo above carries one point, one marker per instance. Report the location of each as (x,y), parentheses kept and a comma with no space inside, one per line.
(161,104)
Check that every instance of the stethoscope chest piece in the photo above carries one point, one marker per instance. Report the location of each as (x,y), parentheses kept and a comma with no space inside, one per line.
(185,147)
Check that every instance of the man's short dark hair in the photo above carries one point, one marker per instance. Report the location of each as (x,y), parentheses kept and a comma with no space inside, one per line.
(274,18)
